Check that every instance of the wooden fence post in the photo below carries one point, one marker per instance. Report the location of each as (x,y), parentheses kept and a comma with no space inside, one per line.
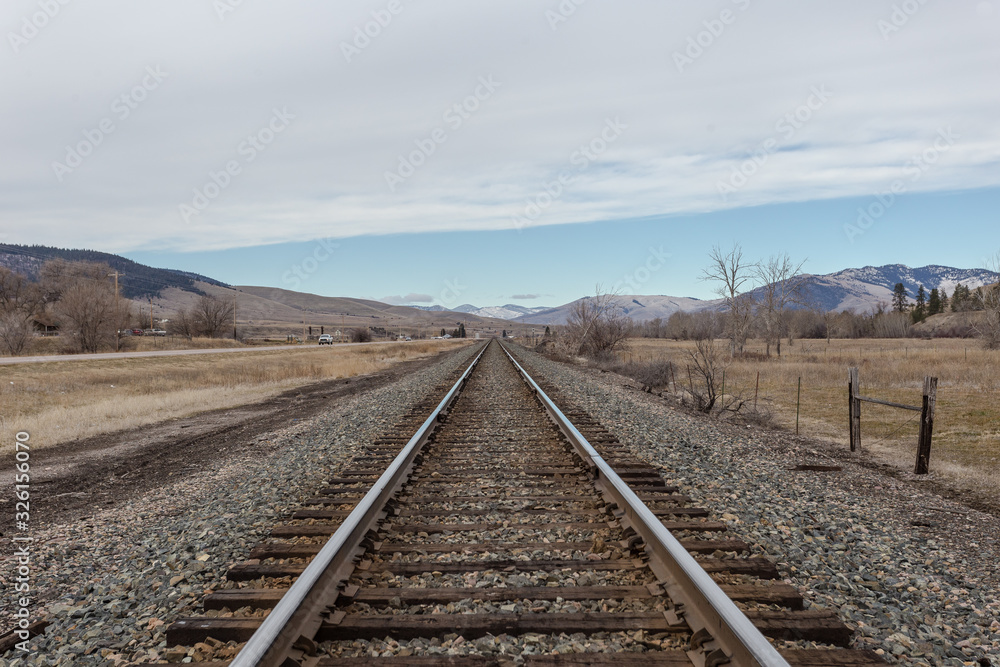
(755,388)
(926,426)
(798,401)
(853,408)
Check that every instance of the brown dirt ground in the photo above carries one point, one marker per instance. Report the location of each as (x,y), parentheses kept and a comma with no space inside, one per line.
(73,480)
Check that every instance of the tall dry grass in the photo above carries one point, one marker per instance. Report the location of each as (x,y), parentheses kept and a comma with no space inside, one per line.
(966,445)
(56,401)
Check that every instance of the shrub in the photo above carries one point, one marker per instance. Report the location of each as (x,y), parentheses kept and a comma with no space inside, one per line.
(360,335)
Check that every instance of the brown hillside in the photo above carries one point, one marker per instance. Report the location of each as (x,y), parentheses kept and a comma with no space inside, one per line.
(271,311)
(947,323)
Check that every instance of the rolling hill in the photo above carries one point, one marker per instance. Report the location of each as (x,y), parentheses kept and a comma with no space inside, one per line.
(270,311)
(137,281)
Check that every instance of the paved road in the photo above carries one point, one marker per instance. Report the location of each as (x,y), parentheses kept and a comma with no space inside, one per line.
(164,353)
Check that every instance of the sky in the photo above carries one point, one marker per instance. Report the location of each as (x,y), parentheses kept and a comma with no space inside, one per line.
(519,151)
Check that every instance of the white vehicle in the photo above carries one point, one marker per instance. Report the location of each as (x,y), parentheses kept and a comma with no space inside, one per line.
(326,339)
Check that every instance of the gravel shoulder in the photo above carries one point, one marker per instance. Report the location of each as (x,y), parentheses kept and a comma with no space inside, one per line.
(914,571)
(112,578)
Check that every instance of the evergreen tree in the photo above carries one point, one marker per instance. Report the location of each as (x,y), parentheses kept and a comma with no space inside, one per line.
(934,303)
(961,298)
(504,334)
(547,332)
(920,310)
(899,298)
(443,333)
(944,299)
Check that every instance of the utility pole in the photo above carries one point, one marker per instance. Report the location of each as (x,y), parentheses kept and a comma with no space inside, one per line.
(234,315)
(118,321)
(150,313)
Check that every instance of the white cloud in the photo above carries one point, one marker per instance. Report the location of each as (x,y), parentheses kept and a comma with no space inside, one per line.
(324,175)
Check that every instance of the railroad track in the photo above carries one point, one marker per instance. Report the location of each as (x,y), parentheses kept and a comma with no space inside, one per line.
(494,531)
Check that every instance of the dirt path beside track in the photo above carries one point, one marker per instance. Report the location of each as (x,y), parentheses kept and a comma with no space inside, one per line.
(78,478)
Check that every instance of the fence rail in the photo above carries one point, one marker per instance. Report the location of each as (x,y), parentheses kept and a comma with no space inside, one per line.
(926,410)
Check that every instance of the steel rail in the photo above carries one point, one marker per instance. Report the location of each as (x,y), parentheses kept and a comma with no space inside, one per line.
(300,610)
(731,636)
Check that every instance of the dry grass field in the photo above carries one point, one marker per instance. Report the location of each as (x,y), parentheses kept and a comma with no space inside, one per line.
(60,401)
(54,345)
(966,445)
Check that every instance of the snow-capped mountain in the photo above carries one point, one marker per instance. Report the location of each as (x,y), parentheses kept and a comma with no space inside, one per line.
(850,289)
(508,311)
(864,288)
(434,309)
(640,308)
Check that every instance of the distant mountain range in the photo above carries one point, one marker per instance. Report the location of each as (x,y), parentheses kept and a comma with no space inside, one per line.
(850,289)
(507,312)
(862,289)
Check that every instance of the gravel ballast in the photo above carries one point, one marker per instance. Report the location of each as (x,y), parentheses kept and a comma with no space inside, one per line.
(915,575)
(113,582)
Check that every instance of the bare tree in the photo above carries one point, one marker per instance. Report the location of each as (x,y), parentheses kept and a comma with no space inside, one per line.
(20,302)
(781,286)
(597,326)
(212,316)
(707,368)
(734,274)
(988,327)
(15,332)
(891,324)
(183,323)
(85,302)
